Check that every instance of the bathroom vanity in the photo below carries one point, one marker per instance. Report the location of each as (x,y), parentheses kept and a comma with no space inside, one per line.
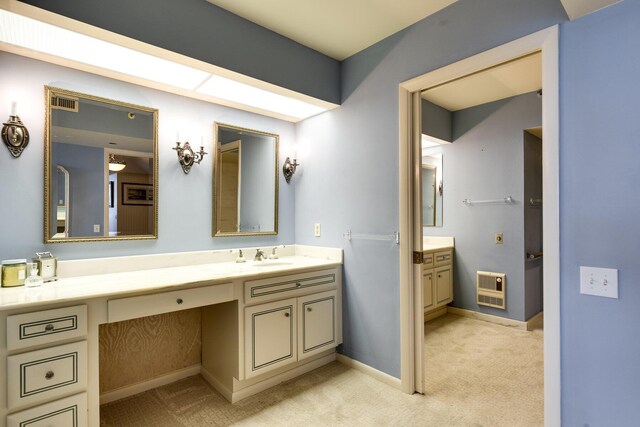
(437,272)
(263,322)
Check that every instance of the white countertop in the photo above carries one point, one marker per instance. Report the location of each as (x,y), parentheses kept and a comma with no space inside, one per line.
(122,283)
(434,243)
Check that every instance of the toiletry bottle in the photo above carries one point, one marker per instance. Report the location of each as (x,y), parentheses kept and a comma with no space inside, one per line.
(33,280)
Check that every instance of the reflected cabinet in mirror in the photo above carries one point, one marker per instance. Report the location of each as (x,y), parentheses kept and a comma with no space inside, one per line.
(245,188)
(101,169)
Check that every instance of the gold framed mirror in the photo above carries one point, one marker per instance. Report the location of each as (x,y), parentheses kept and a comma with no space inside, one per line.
(245,182)
(101,169)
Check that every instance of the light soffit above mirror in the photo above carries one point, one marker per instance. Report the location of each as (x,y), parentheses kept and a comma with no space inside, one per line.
(245,182)
(36,33)
(82,133)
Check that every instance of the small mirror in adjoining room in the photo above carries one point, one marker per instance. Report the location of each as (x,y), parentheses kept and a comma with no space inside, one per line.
(432,187)
(245,190)
(101,174)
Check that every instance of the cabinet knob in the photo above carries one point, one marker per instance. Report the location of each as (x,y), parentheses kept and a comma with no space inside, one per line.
(49,375)
(439,275)
(309,309)
(49,327)
(298,285)
(286,314)
(179,300)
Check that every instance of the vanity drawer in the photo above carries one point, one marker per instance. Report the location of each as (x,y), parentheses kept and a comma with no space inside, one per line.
(427,259)
(165,302)
(46,327)
(275,288)
(67,412)
(43,375)
(443,257)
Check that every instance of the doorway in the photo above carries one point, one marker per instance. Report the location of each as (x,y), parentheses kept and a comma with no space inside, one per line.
(412,326)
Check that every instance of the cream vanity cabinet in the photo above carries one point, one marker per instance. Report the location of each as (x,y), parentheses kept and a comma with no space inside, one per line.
(437,278)
(46,367)
(290,329)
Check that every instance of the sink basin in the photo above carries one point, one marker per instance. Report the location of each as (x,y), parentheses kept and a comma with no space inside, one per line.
(270,263)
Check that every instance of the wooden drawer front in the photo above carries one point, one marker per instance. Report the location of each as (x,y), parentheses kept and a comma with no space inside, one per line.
(42,375)
(67,412)
(165,302)
(427,259)
(443,257)
(270,339)
(263,290)
(317,329)
(46,327)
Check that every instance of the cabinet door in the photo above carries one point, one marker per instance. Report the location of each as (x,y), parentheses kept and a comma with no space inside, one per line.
(317,325)
(270,338)
(444,285)
(427,284)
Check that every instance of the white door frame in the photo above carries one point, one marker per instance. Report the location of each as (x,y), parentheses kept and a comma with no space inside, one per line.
(411,319)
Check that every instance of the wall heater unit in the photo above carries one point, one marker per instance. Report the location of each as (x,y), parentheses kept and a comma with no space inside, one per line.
(491,289)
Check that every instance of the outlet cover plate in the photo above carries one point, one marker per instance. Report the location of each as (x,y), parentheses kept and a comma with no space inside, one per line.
(601,282)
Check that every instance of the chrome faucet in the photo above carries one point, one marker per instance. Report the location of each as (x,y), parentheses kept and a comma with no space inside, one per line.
(273,255)
(260,256)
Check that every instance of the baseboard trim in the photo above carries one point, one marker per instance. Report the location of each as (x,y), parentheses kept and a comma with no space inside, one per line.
(220,388)
(252,389)
(536,322)
(430,315)
(130,390)
(368,370)
(517,324)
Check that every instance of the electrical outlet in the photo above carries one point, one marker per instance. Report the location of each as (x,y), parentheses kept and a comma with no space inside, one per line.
(316,229)
(499,239)
(96,228)
(602,282)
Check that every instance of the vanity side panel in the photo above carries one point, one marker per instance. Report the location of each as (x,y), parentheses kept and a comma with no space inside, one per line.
(220,343)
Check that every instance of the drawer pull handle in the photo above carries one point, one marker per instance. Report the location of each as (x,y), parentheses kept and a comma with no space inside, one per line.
(309,309)
(49,327)
(286,314)
(298,285)
(179,300)
(49,375)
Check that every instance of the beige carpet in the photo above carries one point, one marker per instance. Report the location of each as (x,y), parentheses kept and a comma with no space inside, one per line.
(337,395)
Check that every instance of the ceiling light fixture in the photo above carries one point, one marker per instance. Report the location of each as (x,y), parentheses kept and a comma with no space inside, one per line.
(116,165)
(37,36)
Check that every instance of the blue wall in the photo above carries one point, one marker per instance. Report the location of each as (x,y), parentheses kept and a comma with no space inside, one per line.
(349,173)
(86,179)
(600,215)
(185,207)
(201,30)
(486,161)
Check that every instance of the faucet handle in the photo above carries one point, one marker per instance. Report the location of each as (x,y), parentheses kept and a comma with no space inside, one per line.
(274,255)
(241,257)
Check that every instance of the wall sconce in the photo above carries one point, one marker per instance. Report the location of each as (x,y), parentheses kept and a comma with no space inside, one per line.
(14,134)
(187,157)
(289,168)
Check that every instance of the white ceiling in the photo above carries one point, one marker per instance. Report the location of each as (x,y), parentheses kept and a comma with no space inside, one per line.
(341,28)
(522,75)
(577,8)
(337,28)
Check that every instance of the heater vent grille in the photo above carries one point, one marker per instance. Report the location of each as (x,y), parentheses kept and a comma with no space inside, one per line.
(491,289)
(63,103)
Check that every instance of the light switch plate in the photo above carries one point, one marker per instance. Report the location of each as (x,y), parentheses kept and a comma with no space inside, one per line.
(316,229)
(602,282)
(96,228)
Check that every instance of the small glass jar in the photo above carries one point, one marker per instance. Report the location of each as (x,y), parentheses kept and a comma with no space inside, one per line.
(14,272)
